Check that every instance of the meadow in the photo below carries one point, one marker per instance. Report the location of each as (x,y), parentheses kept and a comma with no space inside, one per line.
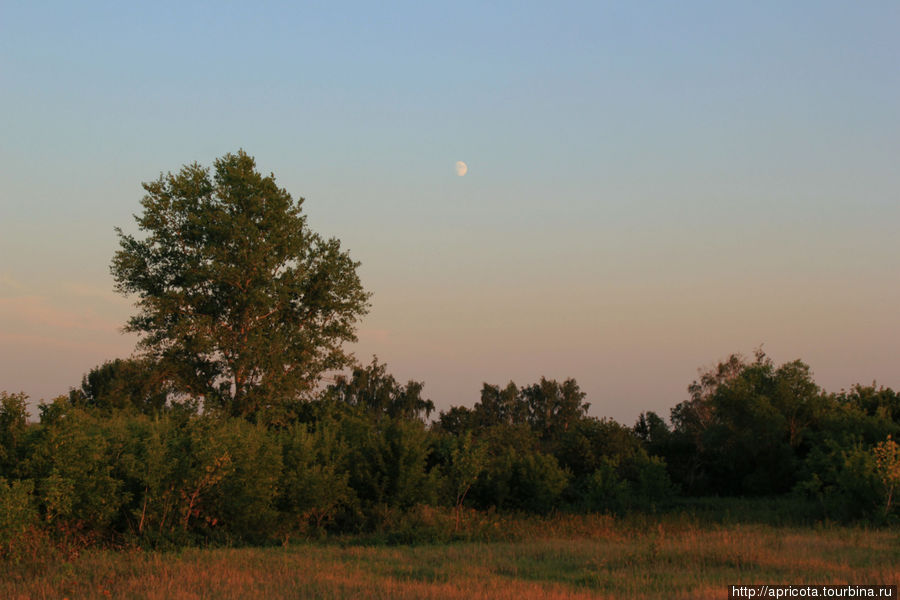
(588,556)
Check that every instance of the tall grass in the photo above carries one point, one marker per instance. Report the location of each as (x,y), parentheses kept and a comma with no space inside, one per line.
(561,557)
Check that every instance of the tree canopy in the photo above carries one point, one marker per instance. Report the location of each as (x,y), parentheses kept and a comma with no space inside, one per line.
(375,390)
(242,305)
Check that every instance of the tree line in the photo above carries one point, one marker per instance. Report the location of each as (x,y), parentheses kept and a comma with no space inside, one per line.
(242,418)
(109,463)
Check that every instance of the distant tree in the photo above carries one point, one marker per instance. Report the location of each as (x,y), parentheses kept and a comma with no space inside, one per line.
(589,441)
(376,391)
(693,416)
(879,402)
(456,421)
(243,305)
(652,430)
(550,408)
(745,428)
(553,407)
(797,398)
(123,383)
(500,406)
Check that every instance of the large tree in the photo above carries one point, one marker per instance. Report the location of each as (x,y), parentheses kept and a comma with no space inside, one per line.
(241,304)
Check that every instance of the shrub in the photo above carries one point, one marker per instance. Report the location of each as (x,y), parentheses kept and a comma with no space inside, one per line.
(387,461)
(844,481)
(314,488)
(13,424)
(17,517)
(520,480)
(73,462)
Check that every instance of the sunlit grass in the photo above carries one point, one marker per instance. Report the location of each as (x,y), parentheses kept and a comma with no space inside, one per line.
(570,557)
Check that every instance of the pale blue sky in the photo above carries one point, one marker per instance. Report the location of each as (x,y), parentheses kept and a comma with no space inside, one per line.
(651,186)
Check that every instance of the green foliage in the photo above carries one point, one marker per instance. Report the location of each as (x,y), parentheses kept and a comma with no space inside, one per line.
(457,421)
(536,481)
(619,485)
(612,471)
(466,463)
(517,474)
(604,490)
(548,407)
(117,459)
(554,407)
(153,471)
(17,515)
(863,413)
(168,478)
(73,463)
(374,390)
(121,384)
(13,428)
(750,428)
(500,406)
(744,429)
(589,442)
(240,303)
(209,476)
(315,487)
(387,461)
(244,503)
(878,402)
(843,481)
(651,485)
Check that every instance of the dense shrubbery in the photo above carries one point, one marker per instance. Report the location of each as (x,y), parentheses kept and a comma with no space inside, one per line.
(362,458)
(102,464)
(751,429)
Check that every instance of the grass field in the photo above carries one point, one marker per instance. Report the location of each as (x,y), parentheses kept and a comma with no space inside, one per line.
(585,557)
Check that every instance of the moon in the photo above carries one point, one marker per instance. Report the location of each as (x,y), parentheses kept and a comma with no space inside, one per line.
(461,168)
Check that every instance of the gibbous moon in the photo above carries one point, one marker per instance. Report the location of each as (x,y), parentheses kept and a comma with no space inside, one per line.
(461,168)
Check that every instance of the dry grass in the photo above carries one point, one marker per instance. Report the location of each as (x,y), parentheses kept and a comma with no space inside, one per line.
(586,557)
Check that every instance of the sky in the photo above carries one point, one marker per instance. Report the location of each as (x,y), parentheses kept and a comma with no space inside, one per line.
(651,186)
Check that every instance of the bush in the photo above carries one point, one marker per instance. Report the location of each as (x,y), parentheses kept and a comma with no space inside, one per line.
(520,480)
(13,425)
(73,462)
(245,501)
(844,482)
(17,517)
(314,488)
(206,476)
(387,461)
(604,490)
